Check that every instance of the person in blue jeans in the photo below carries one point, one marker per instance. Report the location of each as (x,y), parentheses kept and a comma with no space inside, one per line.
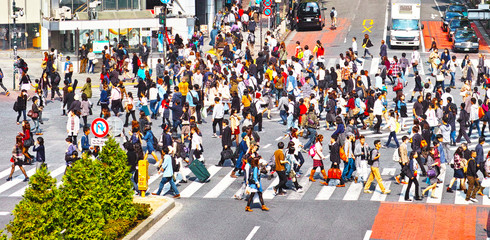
(350,165)
(168,172)
(311,69)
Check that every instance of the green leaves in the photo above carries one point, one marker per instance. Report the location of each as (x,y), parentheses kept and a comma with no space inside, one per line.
(94,202)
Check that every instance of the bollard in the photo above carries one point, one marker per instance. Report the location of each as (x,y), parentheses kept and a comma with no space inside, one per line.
(143,176)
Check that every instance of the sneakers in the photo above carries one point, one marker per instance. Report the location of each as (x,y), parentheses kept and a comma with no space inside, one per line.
(341,185)
(8,93)
(264,208)
(397,178)
(386,191)
(177,196)
(248,209)
(368,191)
(154,194)
(214,135)
(449,190)
(474,200)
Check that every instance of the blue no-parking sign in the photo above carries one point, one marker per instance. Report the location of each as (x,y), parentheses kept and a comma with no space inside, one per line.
(165,1)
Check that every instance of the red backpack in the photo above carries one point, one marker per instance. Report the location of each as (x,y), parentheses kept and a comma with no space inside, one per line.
(320,52)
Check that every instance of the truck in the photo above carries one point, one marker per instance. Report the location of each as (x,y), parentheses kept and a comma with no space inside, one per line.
(405,23)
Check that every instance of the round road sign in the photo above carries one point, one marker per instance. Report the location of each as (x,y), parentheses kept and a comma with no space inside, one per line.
(267,11)
(267,3)
(115,126)
(100,127)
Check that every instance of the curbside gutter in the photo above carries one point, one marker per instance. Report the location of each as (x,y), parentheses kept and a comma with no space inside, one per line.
(146,225)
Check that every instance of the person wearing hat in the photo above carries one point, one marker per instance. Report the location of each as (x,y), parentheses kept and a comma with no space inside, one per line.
(68,97)
(259,103)
(76,105)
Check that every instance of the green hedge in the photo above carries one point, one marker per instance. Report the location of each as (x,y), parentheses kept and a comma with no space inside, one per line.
(94,202)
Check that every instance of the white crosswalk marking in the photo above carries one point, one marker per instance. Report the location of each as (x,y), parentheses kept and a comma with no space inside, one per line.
(486,199)
(374,66)
(305,183)
(16,180)
(325,193)
(220,187)
(388,171)
(196,185)
(53,174)
(459,196)
(353,192)
(269,192)
(437,192)
(378,195)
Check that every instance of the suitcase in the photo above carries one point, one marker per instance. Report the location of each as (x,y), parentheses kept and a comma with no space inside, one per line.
(334,173)
(199,170)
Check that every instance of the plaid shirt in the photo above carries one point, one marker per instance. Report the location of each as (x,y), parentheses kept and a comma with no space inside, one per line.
(395,68)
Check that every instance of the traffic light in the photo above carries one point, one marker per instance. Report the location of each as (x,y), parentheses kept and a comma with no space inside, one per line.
(162,19)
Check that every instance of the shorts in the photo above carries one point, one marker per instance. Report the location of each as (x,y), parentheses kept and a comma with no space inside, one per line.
(186,129)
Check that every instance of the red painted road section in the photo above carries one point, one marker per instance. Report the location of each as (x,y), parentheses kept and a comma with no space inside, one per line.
(327,36)
(434,29)
(422,221)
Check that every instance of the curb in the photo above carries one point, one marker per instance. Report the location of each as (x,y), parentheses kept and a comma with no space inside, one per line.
(137,232)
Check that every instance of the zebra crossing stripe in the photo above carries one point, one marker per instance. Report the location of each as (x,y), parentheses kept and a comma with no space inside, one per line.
(325,193)
(196,185)
(53,174)
(269,192)
(220,187)
(16,180)
(378,195)
(353,192)
(437,192)
(459,196)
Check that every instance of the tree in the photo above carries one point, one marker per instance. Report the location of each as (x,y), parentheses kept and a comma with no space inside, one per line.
(36,215)
(79,200)
(116,179)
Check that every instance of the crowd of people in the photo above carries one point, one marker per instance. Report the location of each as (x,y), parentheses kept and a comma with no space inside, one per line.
(237,91)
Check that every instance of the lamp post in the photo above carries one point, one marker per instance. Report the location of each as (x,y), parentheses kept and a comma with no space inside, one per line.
(14,44)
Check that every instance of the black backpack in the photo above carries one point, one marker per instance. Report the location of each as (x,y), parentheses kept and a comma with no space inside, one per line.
(16,106)
(156,145)
(370,157)
(253,109)
(332,14)
(296,110)
(251,176)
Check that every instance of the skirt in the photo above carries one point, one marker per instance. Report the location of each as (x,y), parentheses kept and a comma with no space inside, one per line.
(236,131)
(458,173)
(146,110)
(317,163)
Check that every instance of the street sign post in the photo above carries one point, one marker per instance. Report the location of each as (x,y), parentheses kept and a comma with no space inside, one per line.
(267,3)
(165,1)
(100,127)
(267,11)
(143,176)
(98,141)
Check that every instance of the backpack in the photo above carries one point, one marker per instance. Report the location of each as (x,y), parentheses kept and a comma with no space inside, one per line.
(251,176)
(253,109)
(332,14)
(16,106)
(155,143)
(175,165)
(354,67)
(296,111)
(312,151)
(320,52)
(275,52)
(370,158)
(57,79)
(481,113)
(342,154)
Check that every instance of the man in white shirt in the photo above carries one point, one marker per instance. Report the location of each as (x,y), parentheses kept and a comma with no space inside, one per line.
(378,112)
(218,114)
(197,78)
(452,70)
(445,96)
(116,104)
(474,119)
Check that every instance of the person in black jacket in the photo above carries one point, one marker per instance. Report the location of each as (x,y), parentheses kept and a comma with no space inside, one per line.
(366,44)
(408,170)
(416,147)
(226,142)
(473,184)
(463,119)
(261,61)
(20,105)
(132,162)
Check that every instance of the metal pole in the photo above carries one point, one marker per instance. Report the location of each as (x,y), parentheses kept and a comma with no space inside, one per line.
(14,43)
(260,21)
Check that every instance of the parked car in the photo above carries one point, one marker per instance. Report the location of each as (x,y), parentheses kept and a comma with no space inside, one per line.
(309,15)
(457,23)
(448,16)
(458,7)
(465,40)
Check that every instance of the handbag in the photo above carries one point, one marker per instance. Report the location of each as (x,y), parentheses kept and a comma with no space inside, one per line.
(398,87)
(440,77)
(32,114)
(334,173)
(95,61)
(342,154)
(28,142)
(431,173)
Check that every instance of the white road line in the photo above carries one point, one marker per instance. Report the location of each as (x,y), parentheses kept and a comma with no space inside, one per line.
(422,41)
(279,138)
(459,196)
(269,192)
(325,193)
(377,195)
(388,171)
(305,183)
(438,9)
(268,145)
(353,192)
(367,236)
(18,179)
(386,22)
(196,185)
(220,188)
(485,199)
(437,192)
(5,172)
(252,233)
(374,65)
(53,174)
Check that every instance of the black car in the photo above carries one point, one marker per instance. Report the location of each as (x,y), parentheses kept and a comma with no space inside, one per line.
(457,23)
(309,15)
(448,16)
(465,40)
